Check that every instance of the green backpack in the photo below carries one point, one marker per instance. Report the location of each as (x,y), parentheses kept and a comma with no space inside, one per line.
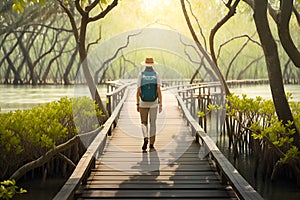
(149,86)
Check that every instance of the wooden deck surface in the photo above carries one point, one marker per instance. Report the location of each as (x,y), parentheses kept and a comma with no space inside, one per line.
(176,168)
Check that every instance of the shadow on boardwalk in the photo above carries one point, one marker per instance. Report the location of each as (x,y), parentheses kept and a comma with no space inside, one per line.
(174,170)
(188,177)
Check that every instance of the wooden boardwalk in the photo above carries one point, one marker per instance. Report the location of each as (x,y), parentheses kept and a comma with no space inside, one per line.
(176,169)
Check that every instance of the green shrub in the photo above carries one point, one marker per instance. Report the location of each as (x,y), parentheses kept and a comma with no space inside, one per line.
(258,116)
(8,189)
(25,135)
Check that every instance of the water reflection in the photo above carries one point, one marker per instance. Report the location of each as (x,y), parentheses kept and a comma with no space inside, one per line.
(26,97)
(265,92)
(269,190)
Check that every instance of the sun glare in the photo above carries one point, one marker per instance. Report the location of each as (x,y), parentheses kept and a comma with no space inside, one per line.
(153,5)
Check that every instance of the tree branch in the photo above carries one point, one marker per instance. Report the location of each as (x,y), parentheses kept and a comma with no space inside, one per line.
(198,24)
(297,14)
(72,20)
(201,49)
(79,8)
(234,38)
(286,9)
(44,158)
(213,32)
(104,12)
(97,40)
(91,6)
(96,74)
(65,158)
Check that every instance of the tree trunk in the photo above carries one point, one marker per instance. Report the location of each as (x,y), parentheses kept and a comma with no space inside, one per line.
(69,67)
(273,65)
(201,49)
(44,158)
(283,25)
(87,74)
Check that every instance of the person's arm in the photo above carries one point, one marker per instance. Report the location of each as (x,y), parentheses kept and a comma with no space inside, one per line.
(138,91)
(159,98)
(159,92)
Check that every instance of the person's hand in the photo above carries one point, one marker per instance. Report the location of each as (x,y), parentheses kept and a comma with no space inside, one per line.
(138,108)
(160,108)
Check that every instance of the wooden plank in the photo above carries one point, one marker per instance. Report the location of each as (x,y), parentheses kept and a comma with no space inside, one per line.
(118,183)
(161,172)
(241,186)
(174,170)
(84,164)
(158,193)
(154,185)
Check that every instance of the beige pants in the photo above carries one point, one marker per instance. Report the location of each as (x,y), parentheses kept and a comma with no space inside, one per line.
(151,114)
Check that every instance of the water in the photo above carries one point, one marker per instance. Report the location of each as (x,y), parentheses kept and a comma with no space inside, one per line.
(24,97)
(265,92)
(270,191)
(36,189)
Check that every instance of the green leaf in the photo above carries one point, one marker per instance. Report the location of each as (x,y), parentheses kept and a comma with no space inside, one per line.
(42,2)
(18,7)
(201,114)
(257,136)
(23,191)
(292,153)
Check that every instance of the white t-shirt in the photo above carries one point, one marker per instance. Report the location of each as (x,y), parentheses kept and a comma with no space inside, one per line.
(144,104)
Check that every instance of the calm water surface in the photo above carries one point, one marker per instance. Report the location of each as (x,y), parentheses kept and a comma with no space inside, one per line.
(265,92)
(270,191)
(25,97)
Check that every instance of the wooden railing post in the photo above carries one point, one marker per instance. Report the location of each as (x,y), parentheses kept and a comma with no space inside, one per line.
(88,161)
(226,170)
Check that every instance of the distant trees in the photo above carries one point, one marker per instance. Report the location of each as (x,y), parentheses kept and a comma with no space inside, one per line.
(36,45)
(80,14)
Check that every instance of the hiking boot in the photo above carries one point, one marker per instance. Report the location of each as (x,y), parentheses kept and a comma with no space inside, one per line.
(144,147)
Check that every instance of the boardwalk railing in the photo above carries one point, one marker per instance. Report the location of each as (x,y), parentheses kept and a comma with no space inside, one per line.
(197,97)
(114,97)
(228,173)
(87,161)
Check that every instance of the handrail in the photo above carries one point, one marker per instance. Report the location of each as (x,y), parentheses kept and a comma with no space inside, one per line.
(242,188)
(87,161)
(113,98)
(200,86)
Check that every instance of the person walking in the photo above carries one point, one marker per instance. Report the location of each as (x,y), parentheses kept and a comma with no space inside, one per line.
(148,100)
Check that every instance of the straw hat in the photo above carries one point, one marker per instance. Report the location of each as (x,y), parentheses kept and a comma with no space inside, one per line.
(149,61)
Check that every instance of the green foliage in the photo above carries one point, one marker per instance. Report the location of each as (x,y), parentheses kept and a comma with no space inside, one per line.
(295,107)
(259,117)
(20,4)
(201,114)
(85,117)
(28,134)
(9,188)
(292,153)
(210,108)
